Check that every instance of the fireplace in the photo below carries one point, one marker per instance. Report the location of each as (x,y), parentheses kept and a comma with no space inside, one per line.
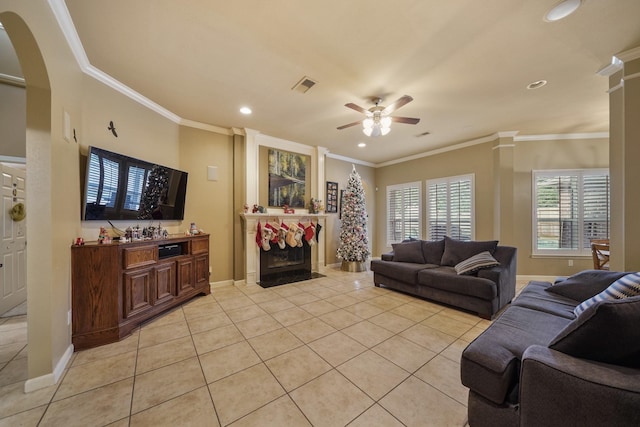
(287,265)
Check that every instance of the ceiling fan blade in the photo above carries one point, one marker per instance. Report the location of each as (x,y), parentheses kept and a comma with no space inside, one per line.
(356,107)
(407,120)
(349,125)
(399,103)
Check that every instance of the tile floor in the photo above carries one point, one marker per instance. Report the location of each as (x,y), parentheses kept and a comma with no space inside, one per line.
(332,351)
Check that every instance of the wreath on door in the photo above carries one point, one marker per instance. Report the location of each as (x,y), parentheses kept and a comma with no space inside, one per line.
(18,212)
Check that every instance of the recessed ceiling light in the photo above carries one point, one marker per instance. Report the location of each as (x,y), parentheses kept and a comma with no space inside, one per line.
(245,110)
(362,144)
(562,10)
(536,85)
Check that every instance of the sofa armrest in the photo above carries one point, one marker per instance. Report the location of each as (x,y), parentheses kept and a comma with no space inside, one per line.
(387,257)
(558,389)
(504,275)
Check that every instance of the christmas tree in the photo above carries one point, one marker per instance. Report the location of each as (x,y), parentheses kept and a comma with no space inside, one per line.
(354,243)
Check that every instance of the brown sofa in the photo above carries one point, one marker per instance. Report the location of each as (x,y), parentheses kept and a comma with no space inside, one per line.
(428,269)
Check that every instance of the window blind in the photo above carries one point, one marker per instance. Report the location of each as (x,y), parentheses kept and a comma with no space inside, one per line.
(403,212)
(570,209)
(450,209)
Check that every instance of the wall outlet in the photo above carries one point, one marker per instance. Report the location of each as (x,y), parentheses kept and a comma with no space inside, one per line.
(68,317)
(570,263)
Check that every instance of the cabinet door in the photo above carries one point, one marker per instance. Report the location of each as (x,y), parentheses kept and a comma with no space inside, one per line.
(138,291)
(165,283)
(202,270)
(185,280)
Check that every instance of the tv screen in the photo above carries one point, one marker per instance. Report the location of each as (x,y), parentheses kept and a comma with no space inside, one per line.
(119,187)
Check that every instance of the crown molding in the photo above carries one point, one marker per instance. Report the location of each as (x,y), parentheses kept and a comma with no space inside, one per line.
(629,55)
(562,136)
(61,13)
(350,160)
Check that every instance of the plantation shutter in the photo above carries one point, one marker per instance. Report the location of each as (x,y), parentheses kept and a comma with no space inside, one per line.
(403,212)
(571,209)
(450,208)
(595,208)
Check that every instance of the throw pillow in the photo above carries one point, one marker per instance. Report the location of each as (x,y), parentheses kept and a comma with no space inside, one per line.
(432,251)
(606,332)
(408,252)
(585,284)
(456,251)
(625,287)
(475,263)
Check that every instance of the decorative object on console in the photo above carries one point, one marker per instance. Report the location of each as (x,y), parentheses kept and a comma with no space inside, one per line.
(288,210)
(354,244)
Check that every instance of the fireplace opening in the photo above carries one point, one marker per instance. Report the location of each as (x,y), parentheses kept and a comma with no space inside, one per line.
(288,265)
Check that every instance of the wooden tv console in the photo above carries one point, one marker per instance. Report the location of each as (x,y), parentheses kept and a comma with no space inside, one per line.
(117,286)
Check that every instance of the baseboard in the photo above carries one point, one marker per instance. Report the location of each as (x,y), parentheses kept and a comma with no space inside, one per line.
(47,380)
(530,278)
(221,283)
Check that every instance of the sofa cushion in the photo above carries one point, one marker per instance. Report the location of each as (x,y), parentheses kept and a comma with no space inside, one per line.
(625,287)
(605,332)
(490,365)
(446,279)
(432,251)
(585,284)
(403,271)
(457,250)
(408,252)
(475,263)
(536,297)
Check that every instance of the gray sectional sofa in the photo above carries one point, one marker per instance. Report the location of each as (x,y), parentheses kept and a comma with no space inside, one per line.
(430,269)
(539,364)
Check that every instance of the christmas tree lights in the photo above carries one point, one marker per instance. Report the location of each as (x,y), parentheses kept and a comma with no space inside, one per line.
(354,243)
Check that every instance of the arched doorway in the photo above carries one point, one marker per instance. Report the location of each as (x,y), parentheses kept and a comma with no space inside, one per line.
(38,141)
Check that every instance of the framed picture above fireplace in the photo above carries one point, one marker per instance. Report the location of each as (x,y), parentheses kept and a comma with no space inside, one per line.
(287,178)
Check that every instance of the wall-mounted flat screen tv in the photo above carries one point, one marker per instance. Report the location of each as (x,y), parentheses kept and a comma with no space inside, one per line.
(119,187)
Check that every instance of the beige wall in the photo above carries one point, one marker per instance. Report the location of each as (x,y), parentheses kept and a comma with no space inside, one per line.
(210,203)
(339,171)
(484,164)
(477,160)
(13,120)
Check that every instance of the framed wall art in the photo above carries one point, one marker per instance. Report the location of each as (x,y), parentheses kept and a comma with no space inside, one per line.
(332,197)
(287,178)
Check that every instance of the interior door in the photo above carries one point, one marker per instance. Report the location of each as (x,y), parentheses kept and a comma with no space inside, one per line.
(13,256)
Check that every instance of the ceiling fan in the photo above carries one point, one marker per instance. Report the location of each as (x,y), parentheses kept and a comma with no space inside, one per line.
(378,119)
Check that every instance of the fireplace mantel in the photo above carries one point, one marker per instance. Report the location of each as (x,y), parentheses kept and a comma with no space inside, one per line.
(252,251)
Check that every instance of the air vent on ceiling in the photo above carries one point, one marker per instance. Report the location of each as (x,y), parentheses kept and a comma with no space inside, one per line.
(304,85)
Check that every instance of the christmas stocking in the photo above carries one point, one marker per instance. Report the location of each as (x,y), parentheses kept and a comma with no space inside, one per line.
(310,234)
(291,235)
(259,235)
(299,235)
(282,235)
(273,234)
(267,235)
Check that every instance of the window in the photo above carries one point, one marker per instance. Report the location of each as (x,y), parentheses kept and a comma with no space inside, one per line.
(450,208)
(570,209)
(403,212)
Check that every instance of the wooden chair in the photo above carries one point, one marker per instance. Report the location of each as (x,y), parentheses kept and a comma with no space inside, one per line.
(600,253)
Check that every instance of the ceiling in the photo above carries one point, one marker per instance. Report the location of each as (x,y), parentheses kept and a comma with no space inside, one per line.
(466,63)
